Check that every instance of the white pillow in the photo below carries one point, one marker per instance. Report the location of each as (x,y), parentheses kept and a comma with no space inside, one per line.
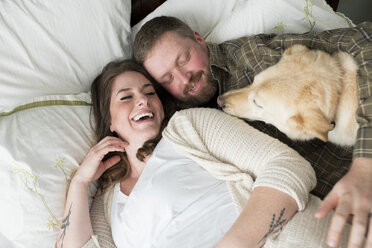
(200,15)
(221,20)
(279,16)
(58,47)
(41,144)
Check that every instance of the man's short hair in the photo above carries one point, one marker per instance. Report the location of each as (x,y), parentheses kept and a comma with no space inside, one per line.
(152,31)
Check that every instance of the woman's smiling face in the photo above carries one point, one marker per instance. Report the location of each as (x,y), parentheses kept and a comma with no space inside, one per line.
(135,109)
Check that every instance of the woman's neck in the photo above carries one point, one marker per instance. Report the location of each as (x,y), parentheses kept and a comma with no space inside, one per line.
(136,165)
(136,168)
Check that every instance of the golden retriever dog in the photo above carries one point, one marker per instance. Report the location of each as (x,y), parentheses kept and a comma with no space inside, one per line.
(307,94)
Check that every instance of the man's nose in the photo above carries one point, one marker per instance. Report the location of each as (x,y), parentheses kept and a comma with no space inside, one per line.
(183,77)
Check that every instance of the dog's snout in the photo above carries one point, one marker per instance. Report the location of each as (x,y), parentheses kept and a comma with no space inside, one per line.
(221,101)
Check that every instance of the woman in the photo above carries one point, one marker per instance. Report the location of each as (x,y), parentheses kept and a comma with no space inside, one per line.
(170,192)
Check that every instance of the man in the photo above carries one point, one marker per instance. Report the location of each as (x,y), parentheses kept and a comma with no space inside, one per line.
(196,72)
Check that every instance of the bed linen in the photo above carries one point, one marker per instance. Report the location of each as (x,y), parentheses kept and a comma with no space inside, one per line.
(49,53)
(219,20)
(58,47)
(40,148)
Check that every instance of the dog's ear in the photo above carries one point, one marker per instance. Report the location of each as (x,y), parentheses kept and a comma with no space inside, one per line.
(295,49)
(312,122)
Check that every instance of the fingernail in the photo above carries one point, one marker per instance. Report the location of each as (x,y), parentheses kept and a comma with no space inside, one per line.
(331,242)
(318,213)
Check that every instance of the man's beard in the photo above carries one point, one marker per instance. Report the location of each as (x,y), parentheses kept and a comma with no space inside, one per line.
(205,94)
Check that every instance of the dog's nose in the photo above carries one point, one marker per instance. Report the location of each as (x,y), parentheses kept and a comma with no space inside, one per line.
(221,101)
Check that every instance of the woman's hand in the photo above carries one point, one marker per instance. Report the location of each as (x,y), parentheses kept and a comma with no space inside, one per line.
(352,195)
(76,228)
(92,166)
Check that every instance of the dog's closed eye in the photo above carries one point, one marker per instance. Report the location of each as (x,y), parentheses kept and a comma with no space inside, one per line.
(254,101)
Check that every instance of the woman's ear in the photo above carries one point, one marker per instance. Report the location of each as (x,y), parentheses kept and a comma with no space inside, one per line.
(113,132)
(112,129)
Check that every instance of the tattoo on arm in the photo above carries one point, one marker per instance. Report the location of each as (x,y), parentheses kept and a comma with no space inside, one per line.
(64,225)
(274,224)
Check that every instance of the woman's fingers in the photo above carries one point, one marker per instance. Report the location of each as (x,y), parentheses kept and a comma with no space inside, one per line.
(104,165)
(108,163)
(108,144)
(92,167)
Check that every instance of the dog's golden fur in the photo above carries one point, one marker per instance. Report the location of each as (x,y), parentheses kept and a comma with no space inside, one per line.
(307,94)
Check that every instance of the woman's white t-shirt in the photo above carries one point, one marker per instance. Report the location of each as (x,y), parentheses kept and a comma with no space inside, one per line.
(175,203)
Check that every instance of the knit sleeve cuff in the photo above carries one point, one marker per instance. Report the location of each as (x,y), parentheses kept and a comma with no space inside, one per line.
(92,243)
(296,181)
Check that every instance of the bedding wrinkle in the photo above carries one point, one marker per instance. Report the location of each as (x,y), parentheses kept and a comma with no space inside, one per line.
(43,33)
(120,36)
(19,47)
(124,34)
(50,53)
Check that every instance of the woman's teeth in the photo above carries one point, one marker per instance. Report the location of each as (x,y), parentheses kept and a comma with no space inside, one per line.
(143,115)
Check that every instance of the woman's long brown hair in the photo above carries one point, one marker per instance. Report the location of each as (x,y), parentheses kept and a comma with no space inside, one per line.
(101,97)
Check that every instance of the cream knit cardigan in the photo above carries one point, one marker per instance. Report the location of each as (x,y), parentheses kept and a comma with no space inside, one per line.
(245,158)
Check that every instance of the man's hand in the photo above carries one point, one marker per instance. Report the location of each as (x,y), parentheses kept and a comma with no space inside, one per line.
(352,195)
